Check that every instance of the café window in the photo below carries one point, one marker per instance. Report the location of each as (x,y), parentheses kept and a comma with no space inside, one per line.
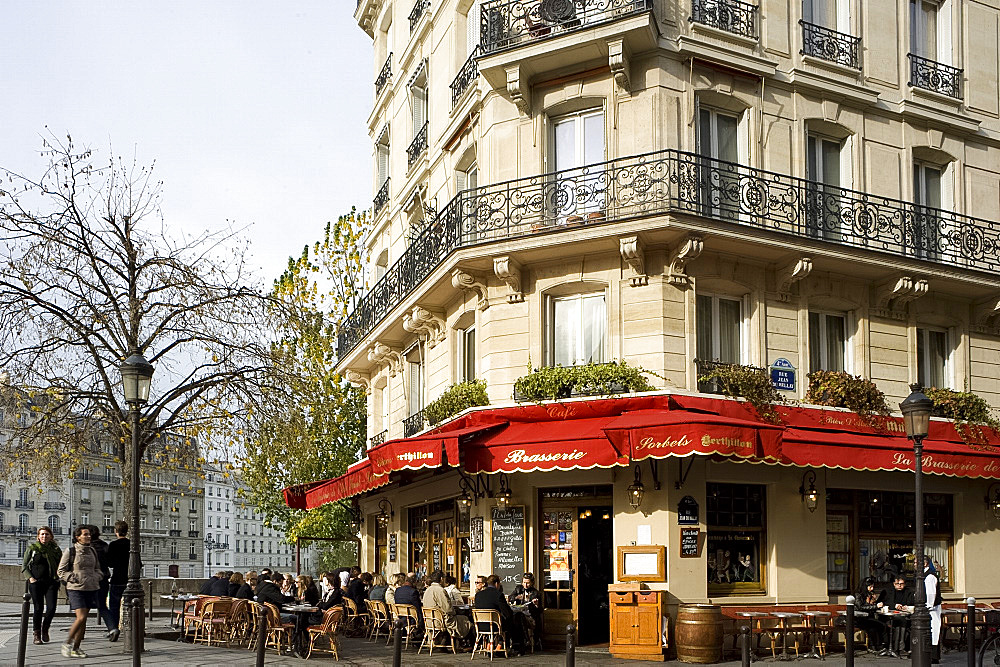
(439,540)
(736,538)
(381,548)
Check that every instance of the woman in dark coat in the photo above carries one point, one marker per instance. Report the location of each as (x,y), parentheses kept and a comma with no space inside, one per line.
(41,561)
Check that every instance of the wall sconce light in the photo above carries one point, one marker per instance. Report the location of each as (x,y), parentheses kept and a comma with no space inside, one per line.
(504,496)
(809,496)
(993,499)
(384,511)
(636,490)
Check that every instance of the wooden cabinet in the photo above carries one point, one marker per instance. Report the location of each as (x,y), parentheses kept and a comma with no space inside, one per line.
(637,624)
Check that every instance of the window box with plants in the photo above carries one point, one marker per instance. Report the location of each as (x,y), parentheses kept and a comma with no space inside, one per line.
(455,399)
(840,389)
(551,383)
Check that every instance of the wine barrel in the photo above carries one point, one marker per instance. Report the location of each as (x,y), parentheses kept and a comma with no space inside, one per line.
(698,635)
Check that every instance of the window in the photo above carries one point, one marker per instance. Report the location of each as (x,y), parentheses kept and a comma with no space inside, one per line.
(156,569)
(22,522)
(827,169)
(933,356)
(928,196)
(382,169)
(22,497)
(54,523)
(578,329)
(173,524)
(472,19)
(827,342)
(156,548)
(191,551)
(467,354)
(192,526)
(719,326)
(22,546)
(1,521)
(833,14)
(415,376)
(142,522)
(924,29)
(85,495)
(107,520)
(718,140)
(84,518)
(736,538)
(108,498)
(418,114)
(156,522)
(578,141)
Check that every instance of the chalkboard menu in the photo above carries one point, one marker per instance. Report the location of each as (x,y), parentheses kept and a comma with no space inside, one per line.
(476,534)
(392,547)
(507,532)
(689,542)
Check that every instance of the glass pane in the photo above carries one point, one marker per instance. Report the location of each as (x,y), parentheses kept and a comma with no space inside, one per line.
(921,358)
(566,321)
(594,328)
(812,160)
(565,144)
(831,163)
(932,187)
(727,127)
(703,321)
(816,362)
(938,358)
(836,342)
(705,132)
(929,28)
(729,331)
(593,138)
(469,353)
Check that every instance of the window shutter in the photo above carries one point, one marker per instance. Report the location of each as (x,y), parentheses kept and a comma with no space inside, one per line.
(472,27)
(383,164)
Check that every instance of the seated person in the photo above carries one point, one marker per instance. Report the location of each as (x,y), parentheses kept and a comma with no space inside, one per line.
(899,598)
(526,594)
(435,595)
(492,597)
(268,592)
(451,586)
(408,594)
(870,601)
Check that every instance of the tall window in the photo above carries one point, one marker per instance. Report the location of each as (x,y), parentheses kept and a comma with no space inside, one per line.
(719,329)
(736,545)
(824,163)
(928,195)
(833,14)
(578,141)
(718,140)
(924,29)
(22,496)
(418,113)
(933,354)
(384,396)
(467,353)
(472,27)
(415,375)
(22,522)
(578,329)
(827,342)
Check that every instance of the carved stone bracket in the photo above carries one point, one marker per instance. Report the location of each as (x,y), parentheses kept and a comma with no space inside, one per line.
(688,250)
(618,60)
(790,274)
(462,280)
(508,270)
(354,377)
(520,98)
(634,255)
(891,296)
(428,326)
(986,315)
(379,353)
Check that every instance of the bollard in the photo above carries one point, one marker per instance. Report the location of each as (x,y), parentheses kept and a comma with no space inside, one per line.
(261,635)
(22,640)
(570,645)
(136,618)
(745,645)
(970,630)
(150,598)
(397,643)
(849,633)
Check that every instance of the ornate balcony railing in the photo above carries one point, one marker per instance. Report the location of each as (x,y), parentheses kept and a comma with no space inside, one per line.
(413,424)
(671,181)
(377,439)
(383,76)
(417,146)
(831,45)
(739,18)
(935,76)
(24,504)
(466,75)
(419,7)
(54,505)
(381,197)
(505,24)
(5,503)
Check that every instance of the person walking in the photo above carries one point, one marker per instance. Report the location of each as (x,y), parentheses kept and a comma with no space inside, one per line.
(118,555)
(41,562)
(80,568)
(103,613)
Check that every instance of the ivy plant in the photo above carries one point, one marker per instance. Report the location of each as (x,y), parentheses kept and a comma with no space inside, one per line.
(840,389)
(750,383)
(456,398)
(969,411)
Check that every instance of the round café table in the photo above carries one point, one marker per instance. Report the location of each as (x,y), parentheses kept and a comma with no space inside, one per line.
(300,639)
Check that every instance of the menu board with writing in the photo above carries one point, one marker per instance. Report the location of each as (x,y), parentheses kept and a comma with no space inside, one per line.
(476,534)
(689,542)
(392,547)
(507,534)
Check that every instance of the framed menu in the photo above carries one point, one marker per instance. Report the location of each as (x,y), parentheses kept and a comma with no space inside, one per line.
(642,563)
(476,534)
(392,547)
(689,542)
(507,537)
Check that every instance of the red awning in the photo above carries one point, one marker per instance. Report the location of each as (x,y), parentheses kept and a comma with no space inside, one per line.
(422,451)
(664,433)
(553,445)
(360,477)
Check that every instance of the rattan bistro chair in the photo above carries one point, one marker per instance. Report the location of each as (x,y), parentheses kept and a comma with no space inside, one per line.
(411,621)
(434,627)
(279,634)
(212,626)
(379,620)
(489,633)
(326,630)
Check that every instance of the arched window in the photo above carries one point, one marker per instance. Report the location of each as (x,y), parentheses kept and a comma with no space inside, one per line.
(54,523)
(22,522)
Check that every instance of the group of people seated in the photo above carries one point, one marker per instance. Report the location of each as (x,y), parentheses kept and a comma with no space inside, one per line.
(886,634)
(267,586)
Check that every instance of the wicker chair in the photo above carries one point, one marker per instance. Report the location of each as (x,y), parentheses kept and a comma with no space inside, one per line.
(327,630)
(434,627)
(355,620)
(213,624)
(190,613)
(379,613)
(411,620)
(489,633)
(279,634)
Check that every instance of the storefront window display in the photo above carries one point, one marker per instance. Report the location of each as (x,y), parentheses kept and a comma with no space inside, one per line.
(736,538)
(439,540)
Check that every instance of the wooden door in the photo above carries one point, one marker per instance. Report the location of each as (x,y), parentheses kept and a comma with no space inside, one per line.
(559,577)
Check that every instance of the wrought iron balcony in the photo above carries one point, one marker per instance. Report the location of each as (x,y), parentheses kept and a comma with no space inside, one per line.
(192,556)
(936,77)
(417,147)
(175,533)
(672,181)
(377,439)
(419,7)
(739,18)
(466,75)
(5,503)
(831,45)
(505,24)
(193,533)
(54,505)
(383,76)
(381,197)
(24,505)
(413,424)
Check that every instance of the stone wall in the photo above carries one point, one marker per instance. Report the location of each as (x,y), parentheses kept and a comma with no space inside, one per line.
(12,586)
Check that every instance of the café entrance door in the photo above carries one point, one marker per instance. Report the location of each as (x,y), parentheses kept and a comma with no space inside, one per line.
(576,562)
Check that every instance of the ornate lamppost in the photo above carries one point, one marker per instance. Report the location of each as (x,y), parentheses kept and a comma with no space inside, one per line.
(916,409)
(137,375)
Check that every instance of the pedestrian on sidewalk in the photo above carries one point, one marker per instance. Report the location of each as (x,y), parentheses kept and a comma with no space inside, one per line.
(41,562)
(103,612)
(118,555)
(80,568)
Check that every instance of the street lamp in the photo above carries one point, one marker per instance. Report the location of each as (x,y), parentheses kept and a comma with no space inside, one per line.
(916,409)
(137,375)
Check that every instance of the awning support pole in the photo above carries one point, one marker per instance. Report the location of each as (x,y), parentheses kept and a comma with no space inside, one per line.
(655,472)
(683,474)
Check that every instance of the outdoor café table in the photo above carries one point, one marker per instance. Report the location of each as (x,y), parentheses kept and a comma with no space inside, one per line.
(812,620)
(964,613)
(784,617)
(755,618)
(300,641)
(897,622)
(175,619)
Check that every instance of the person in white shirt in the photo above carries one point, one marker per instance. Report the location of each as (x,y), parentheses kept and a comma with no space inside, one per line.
(451,588)
(931,587)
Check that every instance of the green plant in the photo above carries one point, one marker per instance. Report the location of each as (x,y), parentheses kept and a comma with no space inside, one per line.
(456,398)
(840,389)
(554,382)
(748,382)
(969,412)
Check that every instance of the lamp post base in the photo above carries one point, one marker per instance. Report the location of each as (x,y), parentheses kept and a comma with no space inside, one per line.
(920,637)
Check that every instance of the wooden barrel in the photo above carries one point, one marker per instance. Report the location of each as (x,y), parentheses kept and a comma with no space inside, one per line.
(698,635)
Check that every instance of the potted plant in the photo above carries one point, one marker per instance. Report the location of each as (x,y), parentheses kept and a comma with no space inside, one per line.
(747,382)
(455,399)
(840,389)
(970,412)
(555,382)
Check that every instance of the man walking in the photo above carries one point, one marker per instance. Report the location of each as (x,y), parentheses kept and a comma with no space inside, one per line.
(118,555)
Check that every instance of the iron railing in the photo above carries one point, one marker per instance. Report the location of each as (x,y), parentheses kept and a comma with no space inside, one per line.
(831,45)
(5,503)
(466,75)
(419,7)
(54,505)
(192,556)
(383,76)
(193,533)
(739,18)
(505,24)
(175,533)
(381,197)
(24,504)
(377,439)
(935,76)
(672,181)
(413,424)
(417,147)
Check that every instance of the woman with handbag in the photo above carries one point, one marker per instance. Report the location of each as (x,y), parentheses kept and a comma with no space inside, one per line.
(80,568)
(41,561)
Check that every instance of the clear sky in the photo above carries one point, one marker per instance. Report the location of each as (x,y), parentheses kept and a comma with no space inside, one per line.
(254,111)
